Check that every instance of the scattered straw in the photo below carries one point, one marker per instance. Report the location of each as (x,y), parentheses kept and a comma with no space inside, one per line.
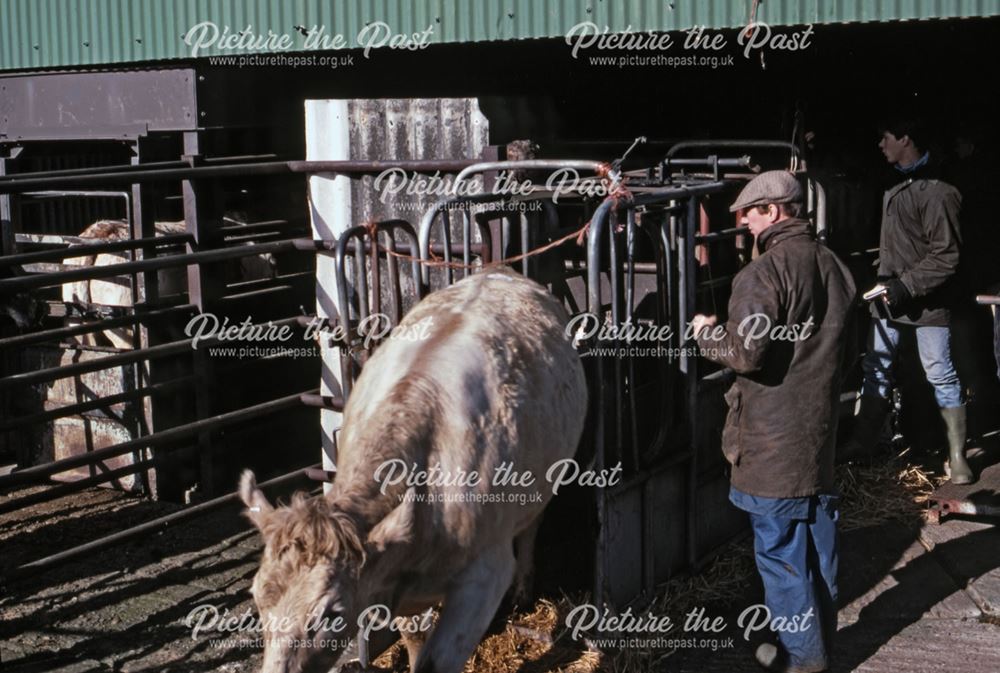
(893,490)
(536,640)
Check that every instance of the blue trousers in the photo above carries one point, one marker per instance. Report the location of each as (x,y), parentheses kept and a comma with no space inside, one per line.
(797,559)
(934,344)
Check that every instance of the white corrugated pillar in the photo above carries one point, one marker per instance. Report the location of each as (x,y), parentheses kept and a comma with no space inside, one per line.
(328,139)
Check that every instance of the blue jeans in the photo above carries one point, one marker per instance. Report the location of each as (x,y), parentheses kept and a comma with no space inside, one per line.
(934,344)
(797,550)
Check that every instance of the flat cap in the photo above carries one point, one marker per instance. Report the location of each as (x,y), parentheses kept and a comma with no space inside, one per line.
(768,187)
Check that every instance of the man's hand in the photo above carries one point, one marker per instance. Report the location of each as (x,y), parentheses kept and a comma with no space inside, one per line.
(700,322)
(895,292)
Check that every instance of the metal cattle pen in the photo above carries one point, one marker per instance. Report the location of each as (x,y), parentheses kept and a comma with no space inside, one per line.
(659,422)
(642,265)
(154,449)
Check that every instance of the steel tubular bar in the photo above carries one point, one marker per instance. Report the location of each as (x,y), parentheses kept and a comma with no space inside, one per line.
(739,162)
(270,289)
(326,476)
(245,286)
(822,232)
(668,307)
(90,327)
(614,276)
(74,193)
(446,236)
(28,182)
(98,403)
(597,222)
(322,401)
(340,269)
(735,143)
(147,528)
(630,243)
(312,245)
(165,262)
(376,275)
(722,234)
(466,242)
(691,374)
(87,249)
(263,224)
(63,371)
(392,266)
(526,243)
(599,167)
(361,281)
(39,473)
(58,491)
(485,249)
(129,357)
(254,237)
(129,168)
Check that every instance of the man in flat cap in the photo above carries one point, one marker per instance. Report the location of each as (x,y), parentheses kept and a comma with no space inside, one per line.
(788,323)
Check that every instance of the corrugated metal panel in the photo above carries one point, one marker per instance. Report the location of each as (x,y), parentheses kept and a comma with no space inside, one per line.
(56,33)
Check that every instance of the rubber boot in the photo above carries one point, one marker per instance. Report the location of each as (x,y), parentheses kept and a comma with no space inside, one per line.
(867,426)
(957,467)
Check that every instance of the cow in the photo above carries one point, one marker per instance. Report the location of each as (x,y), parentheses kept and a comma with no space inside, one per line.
(477,376)
(116,291)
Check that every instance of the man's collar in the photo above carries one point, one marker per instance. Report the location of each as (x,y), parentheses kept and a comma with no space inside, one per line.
(912,167)
(779,231)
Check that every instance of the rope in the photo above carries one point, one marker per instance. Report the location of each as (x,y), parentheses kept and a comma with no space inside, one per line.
(617,193)
(579,234)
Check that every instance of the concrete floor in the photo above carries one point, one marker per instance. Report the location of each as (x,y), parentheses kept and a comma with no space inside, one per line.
(917,597)
(124,609)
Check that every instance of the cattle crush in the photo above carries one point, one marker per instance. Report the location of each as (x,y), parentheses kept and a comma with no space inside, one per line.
(642,243)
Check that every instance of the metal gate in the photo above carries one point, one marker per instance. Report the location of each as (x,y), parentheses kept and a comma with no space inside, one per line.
(649,242)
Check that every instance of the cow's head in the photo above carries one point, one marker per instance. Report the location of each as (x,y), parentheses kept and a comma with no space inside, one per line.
(310,588)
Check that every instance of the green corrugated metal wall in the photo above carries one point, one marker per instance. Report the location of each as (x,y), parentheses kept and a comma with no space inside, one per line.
(56,33)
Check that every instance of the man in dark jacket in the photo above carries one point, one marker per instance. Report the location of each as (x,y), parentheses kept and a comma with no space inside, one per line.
(918,261)
(788,324)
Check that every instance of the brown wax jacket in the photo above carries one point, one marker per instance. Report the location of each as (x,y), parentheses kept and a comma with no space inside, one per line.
(781,428)
(919,245)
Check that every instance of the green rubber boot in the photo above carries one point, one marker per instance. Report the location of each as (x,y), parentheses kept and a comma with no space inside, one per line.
(957,468)
(867,426)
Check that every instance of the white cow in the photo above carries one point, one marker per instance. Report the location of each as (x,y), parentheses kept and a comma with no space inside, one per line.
(117,291)
(477,376)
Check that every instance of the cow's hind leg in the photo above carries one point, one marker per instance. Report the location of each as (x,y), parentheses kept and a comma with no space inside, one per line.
(468,608)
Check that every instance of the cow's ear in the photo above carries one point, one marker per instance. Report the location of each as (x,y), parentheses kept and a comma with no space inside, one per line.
(397,526)
(257,505)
